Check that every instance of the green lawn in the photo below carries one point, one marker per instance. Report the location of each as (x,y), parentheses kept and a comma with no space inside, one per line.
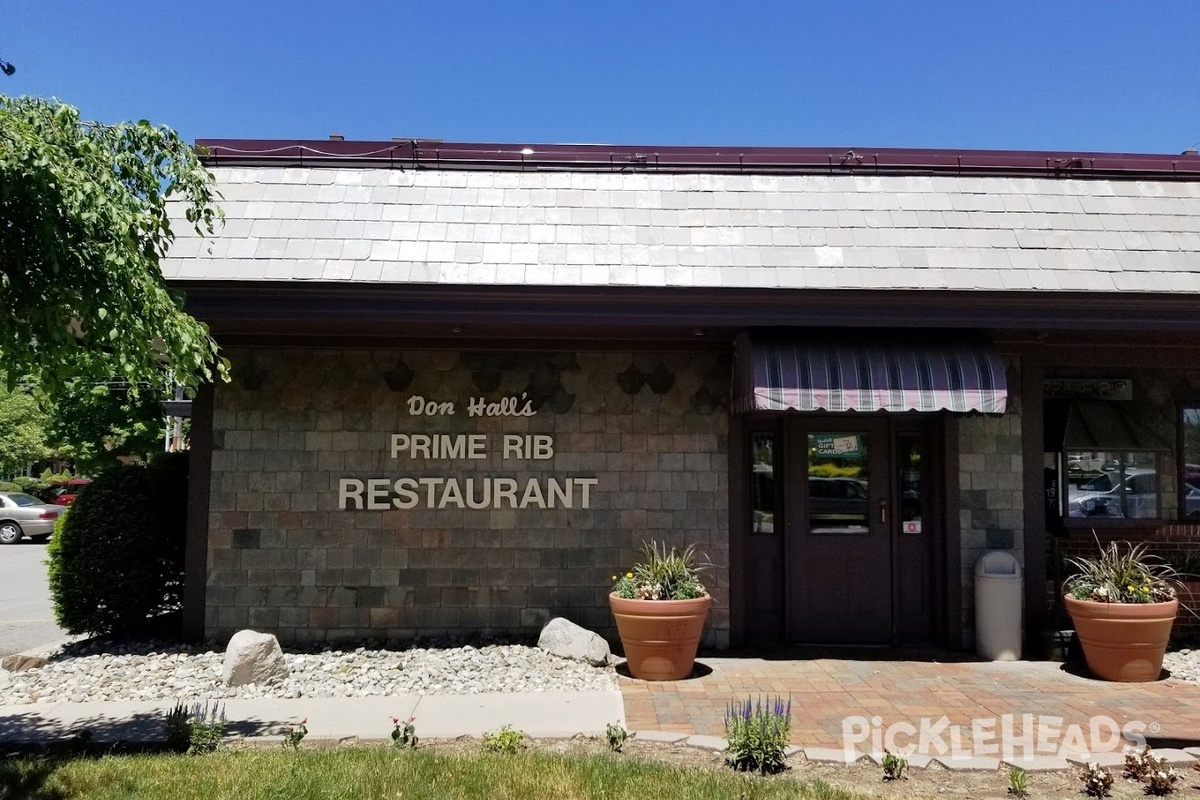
(380,772)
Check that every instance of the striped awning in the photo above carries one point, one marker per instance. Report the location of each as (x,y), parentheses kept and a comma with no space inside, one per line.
(952,375)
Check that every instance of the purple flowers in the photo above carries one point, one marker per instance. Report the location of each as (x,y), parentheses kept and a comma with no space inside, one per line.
(757,732)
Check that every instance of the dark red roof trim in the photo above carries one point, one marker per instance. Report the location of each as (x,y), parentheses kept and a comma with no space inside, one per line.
(436,154)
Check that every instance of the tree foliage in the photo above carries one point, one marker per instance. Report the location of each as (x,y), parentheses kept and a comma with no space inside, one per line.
(95,425)
(22,429)
(85,224)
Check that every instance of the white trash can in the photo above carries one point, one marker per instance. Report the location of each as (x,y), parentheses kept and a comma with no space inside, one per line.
(998,599)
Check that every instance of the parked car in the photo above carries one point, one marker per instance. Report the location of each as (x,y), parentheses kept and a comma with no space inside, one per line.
(1104,495)
(837,505)
(24,515)
(1191,501)
(63,494)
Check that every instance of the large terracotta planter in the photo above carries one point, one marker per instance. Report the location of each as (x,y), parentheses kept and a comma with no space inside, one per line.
(660,637)
(1123,641)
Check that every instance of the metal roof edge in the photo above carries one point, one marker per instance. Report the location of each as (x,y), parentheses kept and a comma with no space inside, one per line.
(441,155)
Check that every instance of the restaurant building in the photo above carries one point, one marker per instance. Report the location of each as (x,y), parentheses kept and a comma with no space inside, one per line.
(469,381)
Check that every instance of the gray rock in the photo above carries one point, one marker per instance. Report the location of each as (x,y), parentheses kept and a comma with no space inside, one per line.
(253,657)
(21,663)
(565,639)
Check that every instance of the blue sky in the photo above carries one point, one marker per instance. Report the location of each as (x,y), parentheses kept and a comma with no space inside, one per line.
(1098,75)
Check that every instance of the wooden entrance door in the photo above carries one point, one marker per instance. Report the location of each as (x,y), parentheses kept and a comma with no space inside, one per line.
(838,579)
(843,541)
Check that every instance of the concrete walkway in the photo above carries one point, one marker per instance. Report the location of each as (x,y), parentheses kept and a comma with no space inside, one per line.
(540,714)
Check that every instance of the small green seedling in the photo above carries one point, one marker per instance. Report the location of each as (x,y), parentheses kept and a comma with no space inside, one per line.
(616,736)
(1018,782)
(293,736)
(506,740)
(893,766)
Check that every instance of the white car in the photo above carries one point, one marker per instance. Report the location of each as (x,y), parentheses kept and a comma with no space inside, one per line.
(1106,496)
(23,515)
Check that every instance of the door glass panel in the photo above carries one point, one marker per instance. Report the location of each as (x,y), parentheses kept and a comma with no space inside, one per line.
(838,488)
(762,483)
(912,499)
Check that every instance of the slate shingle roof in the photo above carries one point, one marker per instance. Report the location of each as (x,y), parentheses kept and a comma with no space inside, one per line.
(369,225)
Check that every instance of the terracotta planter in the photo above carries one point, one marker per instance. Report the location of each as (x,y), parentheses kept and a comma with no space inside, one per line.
(660,637)
(1123,641)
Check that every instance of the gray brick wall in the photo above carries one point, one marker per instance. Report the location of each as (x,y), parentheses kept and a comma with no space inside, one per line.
(991,503)
(651,428)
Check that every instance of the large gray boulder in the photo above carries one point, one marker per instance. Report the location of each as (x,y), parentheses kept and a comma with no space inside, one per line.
(565,639)
(253,657)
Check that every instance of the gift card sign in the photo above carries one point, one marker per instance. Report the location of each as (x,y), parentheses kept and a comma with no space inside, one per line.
(837,445)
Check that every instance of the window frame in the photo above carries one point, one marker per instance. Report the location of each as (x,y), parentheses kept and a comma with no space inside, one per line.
(1190,401)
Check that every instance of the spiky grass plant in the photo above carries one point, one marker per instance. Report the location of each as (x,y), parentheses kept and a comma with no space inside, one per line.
(663,575)
(1018,782)
(1122,573)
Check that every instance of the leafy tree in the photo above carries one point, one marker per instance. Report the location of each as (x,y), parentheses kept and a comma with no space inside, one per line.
(22,430)
(95,425)
(85,223)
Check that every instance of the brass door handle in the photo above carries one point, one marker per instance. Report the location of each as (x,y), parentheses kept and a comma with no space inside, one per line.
(883,511)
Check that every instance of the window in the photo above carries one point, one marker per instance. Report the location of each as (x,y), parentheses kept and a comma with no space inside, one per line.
(1122,485)
(762,483)
(22,500)
(1189,484)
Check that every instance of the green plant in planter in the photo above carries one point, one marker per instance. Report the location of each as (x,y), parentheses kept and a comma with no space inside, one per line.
(1122,573)
(1185,562)
(1123,605)
(663,575)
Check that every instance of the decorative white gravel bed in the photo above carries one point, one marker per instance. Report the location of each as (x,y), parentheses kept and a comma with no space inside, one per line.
(1183,664)
(180,672)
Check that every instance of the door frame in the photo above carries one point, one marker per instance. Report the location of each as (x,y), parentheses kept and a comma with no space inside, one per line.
(940,437)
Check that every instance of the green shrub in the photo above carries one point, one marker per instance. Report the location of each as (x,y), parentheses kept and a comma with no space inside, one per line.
(9,486)
(116,559)
(30,485)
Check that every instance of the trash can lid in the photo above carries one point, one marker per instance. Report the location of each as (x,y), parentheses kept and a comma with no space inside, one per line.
(998,563)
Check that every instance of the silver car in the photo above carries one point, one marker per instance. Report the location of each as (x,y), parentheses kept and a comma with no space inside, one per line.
(24,515)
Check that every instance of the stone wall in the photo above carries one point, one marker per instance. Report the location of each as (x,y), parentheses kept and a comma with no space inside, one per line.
(991,501)
(284,557)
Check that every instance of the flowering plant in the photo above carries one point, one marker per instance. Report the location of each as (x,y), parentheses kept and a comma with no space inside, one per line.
(757,734)
(404,733)
(663,575)
(1122,573)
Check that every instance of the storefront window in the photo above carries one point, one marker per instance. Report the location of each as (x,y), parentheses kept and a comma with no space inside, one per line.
(762,483)
(1122,485)
(1189,488)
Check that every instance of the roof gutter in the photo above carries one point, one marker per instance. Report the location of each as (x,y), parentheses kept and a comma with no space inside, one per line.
(419,154)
